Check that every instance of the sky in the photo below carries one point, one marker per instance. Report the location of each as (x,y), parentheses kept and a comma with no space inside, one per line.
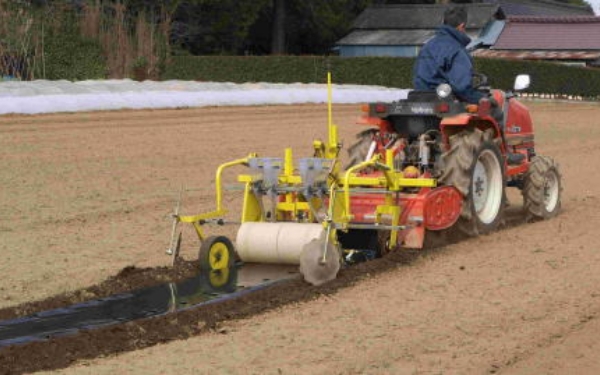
(64,96)
(595,4)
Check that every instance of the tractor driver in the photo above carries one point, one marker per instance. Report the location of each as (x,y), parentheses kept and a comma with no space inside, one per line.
(444,58)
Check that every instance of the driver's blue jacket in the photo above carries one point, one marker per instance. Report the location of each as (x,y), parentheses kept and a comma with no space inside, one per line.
(444,59)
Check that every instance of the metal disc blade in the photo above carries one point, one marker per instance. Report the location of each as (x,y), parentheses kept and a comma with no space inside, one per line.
(311,266)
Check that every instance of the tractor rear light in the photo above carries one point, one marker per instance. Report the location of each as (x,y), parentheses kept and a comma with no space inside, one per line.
(365,108)
(443,108)
(380,108)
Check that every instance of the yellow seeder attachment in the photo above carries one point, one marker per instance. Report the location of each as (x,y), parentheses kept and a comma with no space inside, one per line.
(292,213)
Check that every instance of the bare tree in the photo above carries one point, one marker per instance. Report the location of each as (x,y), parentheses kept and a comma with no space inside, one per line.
(278,41)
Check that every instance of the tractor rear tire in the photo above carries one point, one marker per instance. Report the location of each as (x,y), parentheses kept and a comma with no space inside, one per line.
(473,165)
(542,189)
(357,153)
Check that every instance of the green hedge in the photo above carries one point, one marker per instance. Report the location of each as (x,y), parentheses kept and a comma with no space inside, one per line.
(546,77)
(73,58)
(289,69)
(386,71)
(66,54)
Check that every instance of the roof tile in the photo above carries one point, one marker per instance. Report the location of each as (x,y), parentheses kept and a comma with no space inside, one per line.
(538,55)
(419,16)
(547,33)
(540,8)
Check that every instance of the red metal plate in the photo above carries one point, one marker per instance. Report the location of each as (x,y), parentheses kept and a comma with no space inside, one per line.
(442,207)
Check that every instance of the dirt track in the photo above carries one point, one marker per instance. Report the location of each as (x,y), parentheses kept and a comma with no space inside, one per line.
(86,195)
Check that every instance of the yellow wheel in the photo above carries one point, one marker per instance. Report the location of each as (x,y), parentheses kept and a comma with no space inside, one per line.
(218,278)
(219,281)
(216,253)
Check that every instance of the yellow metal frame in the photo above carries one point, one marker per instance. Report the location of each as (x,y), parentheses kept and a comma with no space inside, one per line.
(251,211)
(220,211)
(290,204)
(392,180)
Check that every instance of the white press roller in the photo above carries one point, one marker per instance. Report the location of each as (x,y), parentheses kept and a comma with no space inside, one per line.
(280,243)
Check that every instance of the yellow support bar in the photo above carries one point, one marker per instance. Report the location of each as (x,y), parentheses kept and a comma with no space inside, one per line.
(288,170)
(199,231)
(389,172)
(206,216)
(346,186)
(251,209)
(291,180)
(392,180)
(219,174)
(293,206)
(288,167)
(195,219)
(394,212)
(332,146)
(382,182)
(220,211)
(245,178)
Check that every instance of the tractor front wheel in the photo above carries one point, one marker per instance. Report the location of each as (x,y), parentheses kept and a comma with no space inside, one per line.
(542,189)
(473,165)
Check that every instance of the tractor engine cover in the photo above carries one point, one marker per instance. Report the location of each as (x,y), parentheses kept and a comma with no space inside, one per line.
(442,207)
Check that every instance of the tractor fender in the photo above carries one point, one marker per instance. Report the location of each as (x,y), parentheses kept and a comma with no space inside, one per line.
(449,124)
(383,125)
(458,120)
(455,124)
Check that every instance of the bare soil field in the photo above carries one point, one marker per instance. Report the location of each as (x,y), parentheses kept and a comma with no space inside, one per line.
(84,207)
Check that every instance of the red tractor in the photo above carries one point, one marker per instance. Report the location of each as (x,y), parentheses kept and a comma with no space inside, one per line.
(431,165)
(478,150)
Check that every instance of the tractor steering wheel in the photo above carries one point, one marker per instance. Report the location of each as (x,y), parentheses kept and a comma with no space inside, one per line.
(479,81)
